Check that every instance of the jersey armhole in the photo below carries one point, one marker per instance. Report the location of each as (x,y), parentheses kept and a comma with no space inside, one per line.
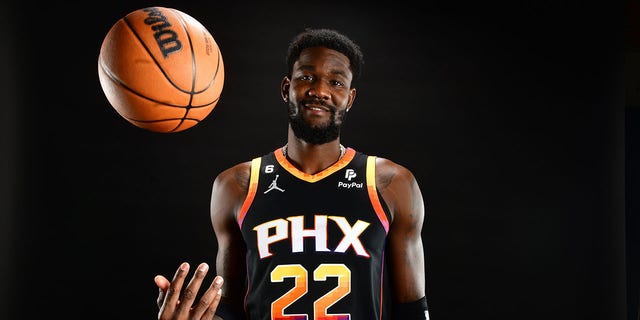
(253,186)
(373,193)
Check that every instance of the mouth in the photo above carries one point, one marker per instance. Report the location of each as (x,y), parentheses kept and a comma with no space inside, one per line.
(316,106)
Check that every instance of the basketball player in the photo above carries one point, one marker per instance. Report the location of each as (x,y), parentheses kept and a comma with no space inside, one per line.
(304,231)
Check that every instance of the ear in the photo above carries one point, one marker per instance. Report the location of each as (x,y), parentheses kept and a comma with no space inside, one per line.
(352,97)
(284,88)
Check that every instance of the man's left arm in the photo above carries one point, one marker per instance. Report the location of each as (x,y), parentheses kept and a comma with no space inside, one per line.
(405,259)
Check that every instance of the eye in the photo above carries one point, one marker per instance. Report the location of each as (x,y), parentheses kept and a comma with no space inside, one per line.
(306,77)
(337,83)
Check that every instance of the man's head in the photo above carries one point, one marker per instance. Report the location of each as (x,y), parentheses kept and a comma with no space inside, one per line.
(327,38)
(318,89)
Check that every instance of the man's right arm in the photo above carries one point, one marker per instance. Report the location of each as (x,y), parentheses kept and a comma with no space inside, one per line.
(227,196)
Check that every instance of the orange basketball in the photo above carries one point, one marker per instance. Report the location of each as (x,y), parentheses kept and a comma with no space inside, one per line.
(161,69)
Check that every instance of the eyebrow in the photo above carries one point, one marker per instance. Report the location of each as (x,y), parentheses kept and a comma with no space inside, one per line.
(334,71)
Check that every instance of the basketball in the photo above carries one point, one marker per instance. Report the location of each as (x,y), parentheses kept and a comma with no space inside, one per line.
(161,69)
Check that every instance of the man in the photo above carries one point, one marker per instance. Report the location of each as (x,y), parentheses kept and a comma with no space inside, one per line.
(306,231)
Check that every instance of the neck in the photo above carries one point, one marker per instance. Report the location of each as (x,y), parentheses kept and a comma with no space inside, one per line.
(312,158)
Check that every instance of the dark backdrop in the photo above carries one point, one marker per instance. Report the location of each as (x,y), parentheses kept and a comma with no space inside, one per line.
(511,117)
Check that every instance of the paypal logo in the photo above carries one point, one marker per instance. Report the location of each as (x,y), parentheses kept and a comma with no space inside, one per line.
(350,174)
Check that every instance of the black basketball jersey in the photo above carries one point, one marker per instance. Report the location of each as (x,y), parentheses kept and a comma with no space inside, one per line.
(315,243)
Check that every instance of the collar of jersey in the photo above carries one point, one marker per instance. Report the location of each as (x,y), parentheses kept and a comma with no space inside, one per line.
(284,162)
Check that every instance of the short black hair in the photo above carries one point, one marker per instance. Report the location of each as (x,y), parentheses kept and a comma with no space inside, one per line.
(327,38)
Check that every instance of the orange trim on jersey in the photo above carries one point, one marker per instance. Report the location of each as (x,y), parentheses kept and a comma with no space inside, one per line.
(284,162)
(382,286)
(253,186)
(373,193)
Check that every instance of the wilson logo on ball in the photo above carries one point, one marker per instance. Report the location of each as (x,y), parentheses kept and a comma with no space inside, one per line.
(166,38)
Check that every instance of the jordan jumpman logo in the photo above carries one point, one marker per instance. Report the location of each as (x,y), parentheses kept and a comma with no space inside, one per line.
(273,185)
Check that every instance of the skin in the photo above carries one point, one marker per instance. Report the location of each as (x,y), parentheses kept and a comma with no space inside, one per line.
(178,303)
(320,74)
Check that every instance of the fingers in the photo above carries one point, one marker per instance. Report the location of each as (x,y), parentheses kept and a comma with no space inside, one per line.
(163,286)
(188,296)
(172,294)
(175,303)
(208,304)
(161,282)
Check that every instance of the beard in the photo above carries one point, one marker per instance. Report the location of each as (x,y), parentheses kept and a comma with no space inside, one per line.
(316,134)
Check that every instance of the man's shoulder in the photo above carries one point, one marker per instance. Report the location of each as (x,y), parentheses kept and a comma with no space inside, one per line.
(237,174)
(388,171)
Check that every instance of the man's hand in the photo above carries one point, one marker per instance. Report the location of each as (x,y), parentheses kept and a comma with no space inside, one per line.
(176,304)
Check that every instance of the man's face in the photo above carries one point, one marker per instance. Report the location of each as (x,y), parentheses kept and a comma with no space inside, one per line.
(319,94)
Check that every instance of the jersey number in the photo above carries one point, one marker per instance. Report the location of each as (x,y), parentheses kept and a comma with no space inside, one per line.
(320,306)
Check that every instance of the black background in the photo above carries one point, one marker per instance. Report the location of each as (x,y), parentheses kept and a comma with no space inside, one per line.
(513,119)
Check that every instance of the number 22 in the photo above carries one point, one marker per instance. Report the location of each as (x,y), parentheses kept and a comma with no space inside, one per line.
(320,306)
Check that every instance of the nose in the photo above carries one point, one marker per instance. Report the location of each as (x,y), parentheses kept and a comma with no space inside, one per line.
(319,90)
